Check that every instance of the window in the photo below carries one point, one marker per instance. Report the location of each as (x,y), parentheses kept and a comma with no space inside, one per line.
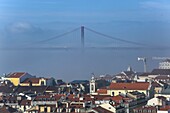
(45,109)
(113,93)
(42,83)
(92,87)
(149,111)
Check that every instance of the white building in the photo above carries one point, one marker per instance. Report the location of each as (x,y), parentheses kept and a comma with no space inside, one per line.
(164,64)
(157,101)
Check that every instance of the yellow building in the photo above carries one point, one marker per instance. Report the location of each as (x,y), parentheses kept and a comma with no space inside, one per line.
(117,88)
(17,77)
(142,87)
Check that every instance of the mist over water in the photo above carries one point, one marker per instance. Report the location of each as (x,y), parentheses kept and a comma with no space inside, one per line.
(75,64)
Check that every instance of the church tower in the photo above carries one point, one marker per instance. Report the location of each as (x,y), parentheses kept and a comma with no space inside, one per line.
(92,85)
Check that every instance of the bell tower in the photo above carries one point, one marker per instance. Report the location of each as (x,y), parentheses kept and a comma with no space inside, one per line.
(92,85)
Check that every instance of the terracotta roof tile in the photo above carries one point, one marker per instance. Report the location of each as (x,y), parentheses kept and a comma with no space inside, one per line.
(25,102)
(102,91)
(100,97)
(16,74)
(32,80)
(129,86)
(166,108)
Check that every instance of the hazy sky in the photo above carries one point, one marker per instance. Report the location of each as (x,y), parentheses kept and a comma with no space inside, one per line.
(32,20)
(23,22)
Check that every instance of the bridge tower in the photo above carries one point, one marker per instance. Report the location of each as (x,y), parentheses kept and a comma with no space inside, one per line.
(82,37)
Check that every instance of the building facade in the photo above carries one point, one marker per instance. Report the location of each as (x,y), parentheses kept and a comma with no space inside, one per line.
(164,64)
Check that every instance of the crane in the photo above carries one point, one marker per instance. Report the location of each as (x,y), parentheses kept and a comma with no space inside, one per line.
(144,62)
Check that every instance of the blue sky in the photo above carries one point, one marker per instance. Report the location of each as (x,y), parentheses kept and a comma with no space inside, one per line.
(24,22)
(83,11)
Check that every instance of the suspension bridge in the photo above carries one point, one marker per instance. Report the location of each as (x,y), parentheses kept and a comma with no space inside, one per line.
(82,30)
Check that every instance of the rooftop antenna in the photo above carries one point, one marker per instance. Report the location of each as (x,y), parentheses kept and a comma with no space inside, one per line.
(144,62)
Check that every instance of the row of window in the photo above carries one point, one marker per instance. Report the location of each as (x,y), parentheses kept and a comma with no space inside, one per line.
(145,111)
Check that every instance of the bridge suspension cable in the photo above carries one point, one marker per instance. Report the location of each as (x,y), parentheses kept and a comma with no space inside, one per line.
(114,38)
(58,36)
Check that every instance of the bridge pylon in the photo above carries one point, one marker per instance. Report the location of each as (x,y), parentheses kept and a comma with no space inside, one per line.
(82,37)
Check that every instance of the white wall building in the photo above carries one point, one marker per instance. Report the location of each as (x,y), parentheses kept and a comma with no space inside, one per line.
(164,64)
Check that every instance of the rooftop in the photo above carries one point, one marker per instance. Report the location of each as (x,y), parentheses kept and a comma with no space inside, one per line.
(129,86)
(117,98)
(101,110)
(146,108)
(16,74)
(79,82)
(102,91)
(166,77)
(165,108)
(35,89)
(155,84)
(7,109)
(166,60)
(6,89)
(144,74)
(160,72)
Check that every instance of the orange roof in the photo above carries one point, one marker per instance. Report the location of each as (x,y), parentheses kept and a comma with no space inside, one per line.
(32,80)
(25,102)
(17,75)
(165,108)
(117,98)
(100,97)
(102,91)
(129,86)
